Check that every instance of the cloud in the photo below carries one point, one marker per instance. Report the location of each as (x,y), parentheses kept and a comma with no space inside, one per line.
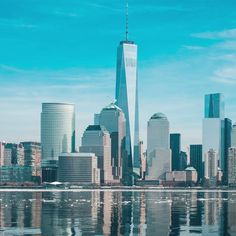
(225,34)
(225,75)
(193,47)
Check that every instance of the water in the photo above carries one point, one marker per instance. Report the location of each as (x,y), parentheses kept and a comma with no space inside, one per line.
(117,213)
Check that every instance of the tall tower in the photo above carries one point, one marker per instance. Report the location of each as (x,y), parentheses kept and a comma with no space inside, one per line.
(127,96)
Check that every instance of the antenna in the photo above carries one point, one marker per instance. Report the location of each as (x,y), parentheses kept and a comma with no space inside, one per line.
(127,21)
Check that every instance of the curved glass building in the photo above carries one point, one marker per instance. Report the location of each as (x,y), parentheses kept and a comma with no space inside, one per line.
(57,136)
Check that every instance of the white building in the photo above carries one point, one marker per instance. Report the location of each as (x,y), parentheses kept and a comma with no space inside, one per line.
(158,151)
(57,135)
(2,147)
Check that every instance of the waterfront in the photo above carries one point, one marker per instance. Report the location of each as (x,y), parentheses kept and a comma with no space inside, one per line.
(117,212)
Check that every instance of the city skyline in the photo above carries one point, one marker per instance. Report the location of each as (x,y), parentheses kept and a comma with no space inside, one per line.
(36,71)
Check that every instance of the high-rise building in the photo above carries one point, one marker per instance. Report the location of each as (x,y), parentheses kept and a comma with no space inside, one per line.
(143,160)
(96,139)
(233,135)
(196,159)
(32,152)
(175,146)
(78,168)
(57,136)
(183,160)
(2,148)
(213,126)
(127,96)
(211,168)
(113,119)
(227,145)
(232,166)
(158,151)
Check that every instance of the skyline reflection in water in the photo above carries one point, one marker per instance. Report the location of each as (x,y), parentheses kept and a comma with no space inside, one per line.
(117,213)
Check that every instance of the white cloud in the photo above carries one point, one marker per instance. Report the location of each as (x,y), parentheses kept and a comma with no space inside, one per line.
(225,34)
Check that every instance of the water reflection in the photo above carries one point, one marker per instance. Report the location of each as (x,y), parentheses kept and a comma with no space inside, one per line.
(118,213)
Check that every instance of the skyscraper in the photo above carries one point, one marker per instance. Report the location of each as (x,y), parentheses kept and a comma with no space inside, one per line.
(175,146)
(211,167)
(158,147)
(233,135)
(127,96)
(213,126)
(183,160)
(227,145)
(57,136)
(113,119)
(96,139)
(196,159)
(2,147)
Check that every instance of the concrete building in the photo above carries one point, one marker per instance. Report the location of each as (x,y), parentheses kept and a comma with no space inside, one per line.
(78,168)
(113,119)
(196,159)
(175,146)
(32,152)
(96,139)
(232,166)
(14,154)
(57,136)
(158,151)
(213,126)
(211,168)
(2,148)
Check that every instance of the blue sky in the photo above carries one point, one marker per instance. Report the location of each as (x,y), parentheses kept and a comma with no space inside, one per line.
(65,51)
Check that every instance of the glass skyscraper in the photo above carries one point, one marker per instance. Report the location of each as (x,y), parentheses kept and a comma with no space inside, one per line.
(127,98)
(175,146)
(57,136)
(213,127)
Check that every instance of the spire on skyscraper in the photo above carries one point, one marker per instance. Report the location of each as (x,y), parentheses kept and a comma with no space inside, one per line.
(127,21)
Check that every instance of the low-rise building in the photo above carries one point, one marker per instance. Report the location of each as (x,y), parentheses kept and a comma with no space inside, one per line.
(78,169)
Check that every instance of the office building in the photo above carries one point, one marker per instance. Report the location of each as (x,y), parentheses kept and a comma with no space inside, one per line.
(127,97)
(113,119)
(183,160)
(96,139)
(175,146)
(196,159)
(143,161)
(232,167)
(78,168)
(233,135)
(227,145)
(32,152)
(211,168)
(2,148)
(213,126)
(14,154)
(57,136)
(158,151)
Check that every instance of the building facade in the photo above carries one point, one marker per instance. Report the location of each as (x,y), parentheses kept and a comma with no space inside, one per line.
(196,159)
(78,168)
(158,151)
(113,119)
(213,126)
(233,135)
(96,139)
(57,136)
(127,98)
(183,160)
(232,166)
(2,148)
(211,168)
(175,146)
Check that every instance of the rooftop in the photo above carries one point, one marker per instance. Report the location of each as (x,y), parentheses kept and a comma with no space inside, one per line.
(159,115)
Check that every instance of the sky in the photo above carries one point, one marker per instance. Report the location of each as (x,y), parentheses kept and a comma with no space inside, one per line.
(65,51)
